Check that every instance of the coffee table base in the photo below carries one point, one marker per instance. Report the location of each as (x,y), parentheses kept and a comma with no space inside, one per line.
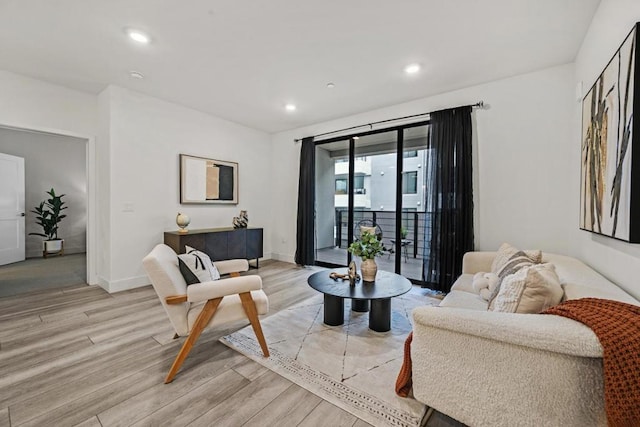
(379,317)
(360,305)
(333,310)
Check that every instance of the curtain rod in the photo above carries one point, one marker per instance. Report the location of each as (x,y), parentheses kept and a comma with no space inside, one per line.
(479,104)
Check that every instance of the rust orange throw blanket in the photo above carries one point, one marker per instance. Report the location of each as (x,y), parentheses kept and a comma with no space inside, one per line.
(404,382)
(617,326)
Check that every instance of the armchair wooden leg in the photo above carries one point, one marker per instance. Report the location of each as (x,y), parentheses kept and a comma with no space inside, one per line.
(252,313)
(203,319)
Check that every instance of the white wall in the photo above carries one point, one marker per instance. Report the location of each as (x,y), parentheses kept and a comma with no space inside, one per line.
(52,161)
(617,260)
(31,103)
(146,137)
(522,147)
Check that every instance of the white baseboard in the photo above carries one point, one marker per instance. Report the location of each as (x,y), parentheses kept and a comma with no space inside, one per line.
(282,257)
(123,284)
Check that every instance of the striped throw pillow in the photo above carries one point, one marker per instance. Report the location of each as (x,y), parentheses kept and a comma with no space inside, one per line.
(516,262)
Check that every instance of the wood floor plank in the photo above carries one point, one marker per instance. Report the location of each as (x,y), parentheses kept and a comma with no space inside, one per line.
(151,319)
(14,324)
(64,316)
(4,417)
(144,388)
(208,365)
(186,408)
(91,422)
(71,369)
(46,302)
(26,410)
(78,326)
(288,409)
(244,404)
(47,336)
(249,369)
(23,361)
(104,304)
(327,414)
(109,311)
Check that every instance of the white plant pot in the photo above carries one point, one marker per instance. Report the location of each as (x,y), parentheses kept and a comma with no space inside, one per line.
(52,246)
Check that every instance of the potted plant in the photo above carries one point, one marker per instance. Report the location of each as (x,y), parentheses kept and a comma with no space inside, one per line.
(403,232)
(48,217)
(367,248)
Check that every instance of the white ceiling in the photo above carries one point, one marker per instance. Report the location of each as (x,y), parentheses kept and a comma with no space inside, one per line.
(244,59)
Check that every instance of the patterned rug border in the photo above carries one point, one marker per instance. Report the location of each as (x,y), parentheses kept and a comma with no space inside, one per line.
(357,402)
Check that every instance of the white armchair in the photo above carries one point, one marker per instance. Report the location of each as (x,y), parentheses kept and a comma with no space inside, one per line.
(192,309)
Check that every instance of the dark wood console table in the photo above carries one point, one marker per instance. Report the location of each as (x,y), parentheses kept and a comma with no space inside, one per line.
(219,243)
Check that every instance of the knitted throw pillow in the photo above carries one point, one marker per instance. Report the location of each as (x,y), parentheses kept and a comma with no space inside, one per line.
(506,251)
(517,261)
(530,290)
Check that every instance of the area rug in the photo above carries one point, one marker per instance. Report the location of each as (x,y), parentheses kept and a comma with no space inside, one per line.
(350,365)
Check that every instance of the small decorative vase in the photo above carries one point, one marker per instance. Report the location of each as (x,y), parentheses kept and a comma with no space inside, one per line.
(369,269)
(183,221)
(241,220)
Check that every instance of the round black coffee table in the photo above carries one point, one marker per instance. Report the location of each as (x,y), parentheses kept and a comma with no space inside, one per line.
(379,293)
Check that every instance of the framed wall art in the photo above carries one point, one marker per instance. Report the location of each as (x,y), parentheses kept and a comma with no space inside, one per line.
(610,155)
(208,181)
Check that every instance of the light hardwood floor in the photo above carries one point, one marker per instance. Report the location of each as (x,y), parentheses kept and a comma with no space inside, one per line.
(80,356)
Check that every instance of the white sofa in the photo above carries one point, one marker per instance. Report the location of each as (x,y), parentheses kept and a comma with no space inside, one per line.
(486,368)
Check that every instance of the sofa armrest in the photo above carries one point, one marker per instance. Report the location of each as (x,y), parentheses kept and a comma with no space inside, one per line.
(232,266)
(475,262)
(204,291)
(540,331)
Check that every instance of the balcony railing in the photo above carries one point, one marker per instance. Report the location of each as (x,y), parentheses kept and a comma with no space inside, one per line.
(416,224)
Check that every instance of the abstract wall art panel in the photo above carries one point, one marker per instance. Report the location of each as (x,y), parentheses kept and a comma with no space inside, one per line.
(205,180)
(610,155)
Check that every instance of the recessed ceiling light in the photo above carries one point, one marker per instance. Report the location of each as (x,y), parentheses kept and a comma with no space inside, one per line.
(136,75)
(412,68)
(138,36)
(330,85)
(356,137)
(290,107)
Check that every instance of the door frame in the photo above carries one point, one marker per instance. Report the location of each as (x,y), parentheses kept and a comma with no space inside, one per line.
(90,153)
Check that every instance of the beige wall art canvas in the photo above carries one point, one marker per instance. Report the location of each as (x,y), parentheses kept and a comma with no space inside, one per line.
(610,154)
(205,180)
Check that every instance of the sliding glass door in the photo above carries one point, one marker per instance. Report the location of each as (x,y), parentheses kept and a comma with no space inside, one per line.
(374,202)
(415,218)
(373,181)
(332,202)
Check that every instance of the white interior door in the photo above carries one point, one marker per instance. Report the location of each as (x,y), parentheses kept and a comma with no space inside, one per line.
(12,213)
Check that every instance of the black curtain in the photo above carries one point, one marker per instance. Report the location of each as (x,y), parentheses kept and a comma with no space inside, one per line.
(305,250)
(449,234)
